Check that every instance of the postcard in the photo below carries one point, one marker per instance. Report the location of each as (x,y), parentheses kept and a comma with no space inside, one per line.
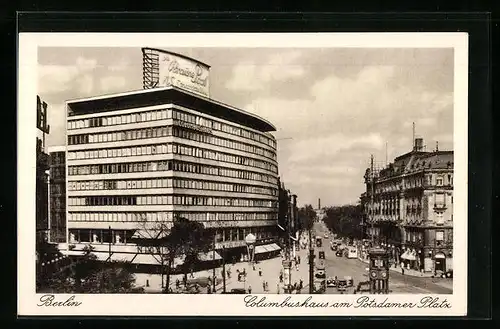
(253,174)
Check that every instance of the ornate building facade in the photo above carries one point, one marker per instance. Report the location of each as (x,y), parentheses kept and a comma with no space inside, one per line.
(410,211)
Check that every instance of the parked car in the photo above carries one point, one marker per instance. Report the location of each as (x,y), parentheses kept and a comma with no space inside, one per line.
(349,280)
(319,286)
(331,282)
(342,285)
(237,291)
(448,274)
(339,253)
(326,236)
(320,274)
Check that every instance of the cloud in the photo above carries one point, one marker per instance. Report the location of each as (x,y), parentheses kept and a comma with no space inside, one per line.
(120,65)
(334,130)
(252,76)
(112,84)
(60,78)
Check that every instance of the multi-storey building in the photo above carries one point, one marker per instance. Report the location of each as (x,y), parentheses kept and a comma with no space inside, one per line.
(57,194)
(288,220)
(145,157)
(42,168)
(411,208)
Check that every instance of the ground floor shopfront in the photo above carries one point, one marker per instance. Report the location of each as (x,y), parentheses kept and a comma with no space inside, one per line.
(147,259)
(424,249)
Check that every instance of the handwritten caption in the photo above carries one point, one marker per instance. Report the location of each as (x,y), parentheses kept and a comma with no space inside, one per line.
(361,302)
(51,300)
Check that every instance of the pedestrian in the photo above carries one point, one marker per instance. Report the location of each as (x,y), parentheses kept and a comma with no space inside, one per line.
(192,274)
(403,270)
(281,278)
(177,283)
(249,289)
(267,286)
(264,286)
(209,289)
(301,284)
(229,273)
(278,288)
(260,271)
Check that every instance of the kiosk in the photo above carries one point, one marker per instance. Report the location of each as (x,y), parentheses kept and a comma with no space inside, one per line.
(379,271)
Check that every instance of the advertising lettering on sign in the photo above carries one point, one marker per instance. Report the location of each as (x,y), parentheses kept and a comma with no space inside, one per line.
(175,70)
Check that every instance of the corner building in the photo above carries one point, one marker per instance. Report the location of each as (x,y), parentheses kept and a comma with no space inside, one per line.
(148,156)
(412,210)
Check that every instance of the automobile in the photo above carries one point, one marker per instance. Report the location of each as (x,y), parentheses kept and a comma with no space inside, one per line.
(447,274)
(321,255)
(339,253)
(325,236)
(333,247)
(349,280)
(237,291)
(320,274)
(341,285)
(319,286)
(363,286)
(331,282)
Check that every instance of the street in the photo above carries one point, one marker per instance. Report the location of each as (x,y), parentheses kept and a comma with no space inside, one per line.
(398,283)
(335,266)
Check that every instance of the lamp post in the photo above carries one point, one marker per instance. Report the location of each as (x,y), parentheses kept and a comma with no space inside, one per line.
(223,269)
(213,259)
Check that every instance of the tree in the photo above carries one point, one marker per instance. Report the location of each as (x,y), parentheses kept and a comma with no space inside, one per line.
(306,217)
(345,220)
(86,274)
(185,238)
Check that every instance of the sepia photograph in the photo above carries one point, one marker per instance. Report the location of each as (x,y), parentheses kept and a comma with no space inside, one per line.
(170,167)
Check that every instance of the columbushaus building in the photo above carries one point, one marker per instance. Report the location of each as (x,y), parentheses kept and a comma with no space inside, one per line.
(145,157)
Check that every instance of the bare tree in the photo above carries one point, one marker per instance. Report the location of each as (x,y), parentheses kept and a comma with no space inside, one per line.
(151,238)
(168,241)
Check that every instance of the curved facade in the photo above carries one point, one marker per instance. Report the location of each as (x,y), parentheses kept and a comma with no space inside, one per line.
(148,156)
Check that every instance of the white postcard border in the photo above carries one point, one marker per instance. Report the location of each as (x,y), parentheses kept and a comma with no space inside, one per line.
(219,305)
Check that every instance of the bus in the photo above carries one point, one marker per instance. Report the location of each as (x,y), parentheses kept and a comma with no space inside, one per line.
(352,252)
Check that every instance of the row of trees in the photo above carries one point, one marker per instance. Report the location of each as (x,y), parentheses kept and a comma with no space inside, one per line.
(307,214)
(345,220)
(187,239)
(84,275)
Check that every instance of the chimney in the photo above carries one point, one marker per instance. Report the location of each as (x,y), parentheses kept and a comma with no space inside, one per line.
(437,146)
(419,145)
(319,203)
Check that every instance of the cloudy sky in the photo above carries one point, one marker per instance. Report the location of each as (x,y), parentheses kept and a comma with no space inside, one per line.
(332,107)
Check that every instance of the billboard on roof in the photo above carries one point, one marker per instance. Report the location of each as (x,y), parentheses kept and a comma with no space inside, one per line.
(162,68)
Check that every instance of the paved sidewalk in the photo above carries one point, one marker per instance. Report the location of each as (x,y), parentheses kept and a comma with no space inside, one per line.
(270,272)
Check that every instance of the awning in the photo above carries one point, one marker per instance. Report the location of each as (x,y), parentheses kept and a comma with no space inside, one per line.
(147,259)
(149,234)
(274,247)
(260,249)
(209,256)
(122,257)
(73,252)
(408,256)
(101,256)
(266,248)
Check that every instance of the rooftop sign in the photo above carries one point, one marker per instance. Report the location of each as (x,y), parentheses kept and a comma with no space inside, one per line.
(163,69)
